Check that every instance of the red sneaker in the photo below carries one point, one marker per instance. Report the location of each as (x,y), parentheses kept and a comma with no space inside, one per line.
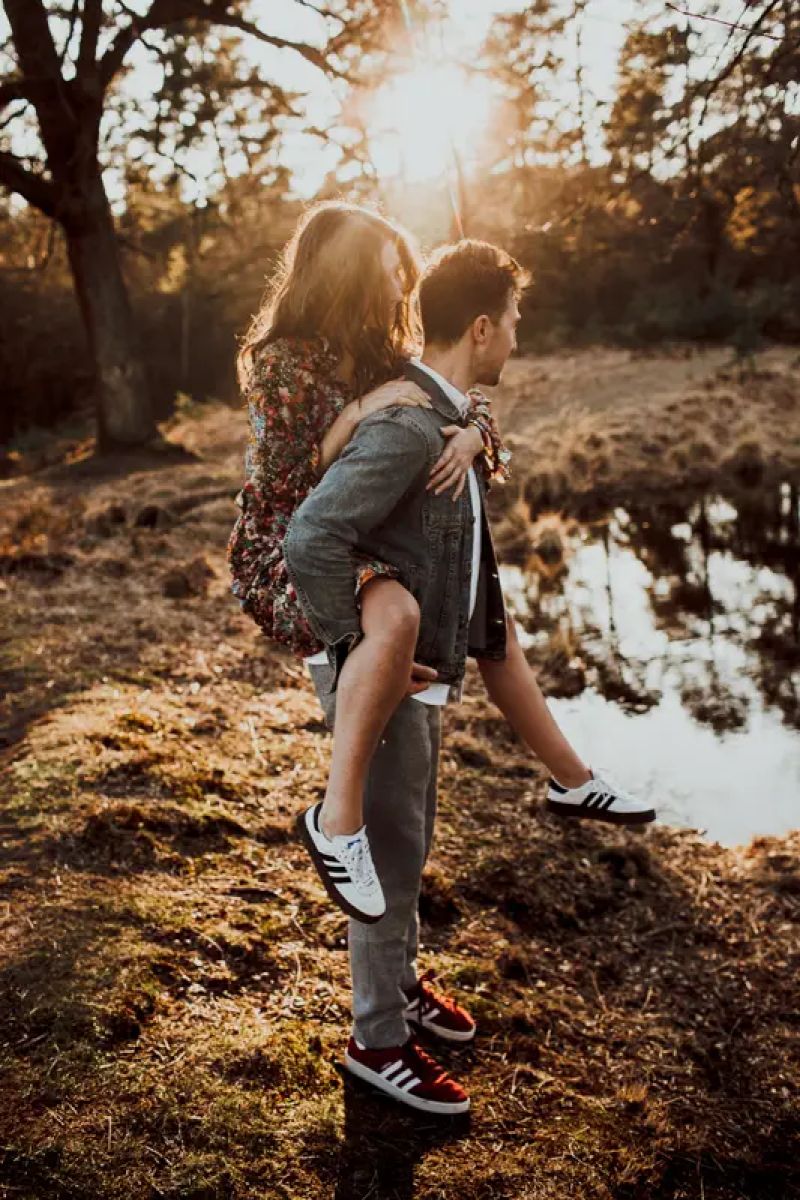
(409,1074)
(437,1013)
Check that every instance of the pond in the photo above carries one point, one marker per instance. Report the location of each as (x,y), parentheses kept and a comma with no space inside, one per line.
(673,630)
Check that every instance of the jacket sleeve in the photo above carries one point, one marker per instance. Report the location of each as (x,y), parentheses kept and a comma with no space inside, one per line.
(383,461)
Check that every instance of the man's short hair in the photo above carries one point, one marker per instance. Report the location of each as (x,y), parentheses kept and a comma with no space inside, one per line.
(465,281)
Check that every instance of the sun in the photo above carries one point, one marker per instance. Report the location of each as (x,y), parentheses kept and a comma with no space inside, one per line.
(418,119)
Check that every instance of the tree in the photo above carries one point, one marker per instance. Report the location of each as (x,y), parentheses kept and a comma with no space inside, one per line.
(60,95)
(641,116)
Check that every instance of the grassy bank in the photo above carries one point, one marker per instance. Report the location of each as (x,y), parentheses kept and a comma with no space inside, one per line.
(597,428)
(173,982)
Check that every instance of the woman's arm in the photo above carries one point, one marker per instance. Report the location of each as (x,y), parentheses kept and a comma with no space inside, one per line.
(398,391)
(478,444)
(338,435)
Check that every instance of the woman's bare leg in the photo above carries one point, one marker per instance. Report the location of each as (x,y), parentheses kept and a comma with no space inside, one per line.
(372,682)
(513,687)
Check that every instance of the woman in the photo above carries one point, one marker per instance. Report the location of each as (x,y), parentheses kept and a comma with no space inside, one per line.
(322,353)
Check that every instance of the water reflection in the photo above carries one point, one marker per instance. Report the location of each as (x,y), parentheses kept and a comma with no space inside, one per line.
(672,631)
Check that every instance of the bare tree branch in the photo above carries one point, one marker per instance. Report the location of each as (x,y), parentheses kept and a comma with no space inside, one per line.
(90,33)
(33,41)
(13,89)
(309,53)
(12,116)
(323,12)
(160,13)
(41,73)
(164,13)
(71,29)
(753,31)
(34,188)
(719,21)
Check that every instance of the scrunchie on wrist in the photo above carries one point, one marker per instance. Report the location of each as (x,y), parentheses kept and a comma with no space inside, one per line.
(496,456)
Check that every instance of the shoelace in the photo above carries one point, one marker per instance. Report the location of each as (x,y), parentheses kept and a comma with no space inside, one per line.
(359,864)
(430,996)
(427,1068)
(604,779)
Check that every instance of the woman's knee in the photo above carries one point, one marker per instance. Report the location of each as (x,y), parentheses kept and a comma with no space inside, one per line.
(389,609)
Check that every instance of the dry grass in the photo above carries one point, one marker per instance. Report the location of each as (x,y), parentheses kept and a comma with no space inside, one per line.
(173,982)
(600,429)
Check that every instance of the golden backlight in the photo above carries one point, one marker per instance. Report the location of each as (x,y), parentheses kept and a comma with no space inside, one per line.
(417,121)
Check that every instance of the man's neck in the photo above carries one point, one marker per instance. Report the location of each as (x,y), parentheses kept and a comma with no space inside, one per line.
(452,364)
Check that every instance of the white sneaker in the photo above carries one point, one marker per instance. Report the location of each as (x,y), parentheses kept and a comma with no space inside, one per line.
(344,864)
(599,800)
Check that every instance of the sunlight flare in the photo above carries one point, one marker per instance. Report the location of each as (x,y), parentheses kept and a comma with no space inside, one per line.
(418,119)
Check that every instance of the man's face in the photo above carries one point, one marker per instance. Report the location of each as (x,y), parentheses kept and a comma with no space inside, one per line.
(495,341)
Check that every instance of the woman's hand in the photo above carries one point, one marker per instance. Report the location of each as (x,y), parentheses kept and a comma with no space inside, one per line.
(396,391)
(456,459)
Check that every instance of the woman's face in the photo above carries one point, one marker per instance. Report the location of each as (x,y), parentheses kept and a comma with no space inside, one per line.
(394,275)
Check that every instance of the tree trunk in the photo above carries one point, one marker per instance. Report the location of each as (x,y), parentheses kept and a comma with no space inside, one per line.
(123,405)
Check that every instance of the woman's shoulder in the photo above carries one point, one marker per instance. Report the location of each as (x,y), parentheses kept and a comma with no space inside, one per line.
(286,356)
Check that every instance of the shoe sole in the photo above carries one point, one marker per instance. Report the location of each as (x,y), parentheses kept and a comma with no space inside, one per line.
(336,896)
(591,814)
(446,1035)
(431,1106)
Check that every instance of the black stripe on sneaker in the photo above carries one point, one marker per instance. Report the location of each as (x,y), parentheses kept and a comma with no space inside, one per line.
(301,825)
(609,802)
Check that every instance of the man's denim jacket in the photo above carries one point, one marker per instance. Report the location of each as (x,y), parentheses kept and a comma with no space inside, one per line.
(373,500)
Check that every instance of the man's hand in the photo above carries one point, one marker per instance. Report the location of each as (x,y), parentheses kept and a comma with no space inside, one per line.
(421,677)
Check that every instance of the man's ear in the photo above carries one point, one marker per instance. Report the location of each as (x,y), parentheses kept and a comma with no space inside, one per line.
(481,330)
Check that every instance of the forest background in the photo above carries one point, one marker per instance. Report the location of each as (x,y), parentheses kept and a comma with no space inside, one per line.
(154,155)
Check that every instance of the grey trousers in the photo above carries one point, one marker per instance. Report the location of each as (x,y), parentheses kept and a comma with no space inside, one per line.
(399,812)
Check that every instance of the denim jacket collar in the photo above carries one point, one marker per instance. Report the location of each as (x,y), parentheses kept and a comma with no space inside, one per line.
(440,401)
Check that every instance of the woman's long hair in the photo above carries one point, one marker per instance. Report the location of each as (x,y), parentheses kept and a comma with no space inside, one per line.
(331,282)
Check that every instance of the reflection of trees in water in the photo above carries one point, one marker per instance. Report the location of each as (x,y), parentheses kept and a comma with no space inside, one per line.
(680,544)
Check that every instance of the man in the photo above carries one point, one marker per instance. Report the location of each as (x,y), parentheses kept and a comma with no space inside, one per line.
(374,497)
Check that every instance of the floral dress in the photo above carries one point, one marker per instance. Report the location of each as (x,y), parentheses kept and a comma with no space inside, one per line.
(293,397)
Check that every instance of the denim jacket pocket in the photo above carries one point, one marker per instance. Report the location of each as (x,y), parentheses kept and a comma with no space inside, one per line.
(440,512)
